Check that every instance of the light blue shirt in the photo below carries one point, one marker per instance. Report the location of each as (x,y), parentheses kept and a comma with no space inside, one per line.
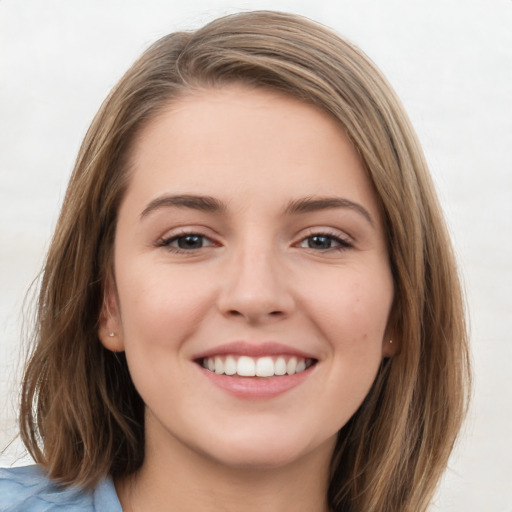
(26,489)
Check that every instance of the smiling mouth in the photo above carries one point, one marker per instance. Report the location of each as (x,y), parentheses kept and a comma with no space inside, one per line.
(246,366)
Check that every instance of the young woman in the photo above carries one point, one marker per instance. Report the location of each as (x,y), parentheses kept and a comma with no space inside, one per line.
(250,301)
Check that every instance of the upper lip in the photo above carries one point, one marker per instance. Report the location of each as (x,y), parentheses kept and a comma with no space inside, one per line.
(245,348)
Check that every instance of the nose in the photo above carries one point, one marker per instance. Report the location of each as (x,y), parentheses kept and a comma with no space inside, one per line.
(256,287)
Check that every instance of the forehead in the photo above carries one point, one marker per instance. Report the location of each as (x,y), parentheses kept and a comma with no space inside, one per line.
(256,141)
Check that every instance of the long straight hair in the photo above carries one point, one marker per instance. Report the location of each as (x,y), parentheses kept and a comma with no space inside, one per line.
(81,417)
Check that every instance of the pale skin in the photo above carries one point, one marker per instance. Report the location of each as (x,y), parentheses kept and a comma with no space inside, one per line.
(248,220)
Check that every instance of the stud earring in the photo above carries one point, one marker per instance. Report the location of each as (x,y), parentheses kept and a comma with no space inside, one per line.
(111,334)
(390,341)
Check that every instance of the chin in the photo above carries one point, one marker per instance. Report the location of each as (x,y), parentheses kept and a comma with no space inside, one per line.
(258,459)
(265,450)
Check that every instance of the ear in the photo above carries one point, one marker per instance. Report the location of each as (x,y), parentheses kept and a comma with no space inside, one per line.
(110,330)
(392,340)
(390,346)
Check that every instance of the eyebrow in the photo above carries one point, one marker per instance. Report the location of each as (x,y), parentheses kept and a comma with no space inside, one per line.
(213,205)
(201,203)
(314,204)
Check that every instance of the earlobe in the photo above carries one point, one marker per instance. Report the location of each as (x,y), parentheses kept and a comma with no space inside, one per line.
(111,340)
(110,328)
(390,347)
(392,341)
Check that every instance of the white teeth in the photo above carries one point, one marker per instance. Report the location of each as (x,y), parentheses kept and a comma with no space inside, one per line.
(291,366)
(264,367)
(246,366)
(280,366)
(301,366)
(219,365)
(230,366)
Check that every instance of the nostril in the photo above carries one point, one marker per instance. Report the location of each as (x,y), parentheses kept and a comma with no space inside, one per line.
(236,313)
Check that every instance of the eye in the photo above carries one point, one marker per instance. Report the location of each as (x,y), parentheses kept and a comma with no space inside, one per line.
(324,242)
(186,242)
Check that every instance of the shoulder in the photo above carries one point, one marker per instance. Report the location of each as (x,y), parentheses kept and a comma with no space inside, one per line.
(28,489)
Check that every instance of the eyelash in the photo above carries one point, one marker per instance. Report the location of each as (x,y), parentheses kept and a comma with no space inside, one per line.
(342,243)
(167,241)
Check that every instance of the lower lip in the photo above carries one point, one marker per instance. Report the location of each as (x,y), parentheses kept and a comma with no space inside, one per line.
(256,387)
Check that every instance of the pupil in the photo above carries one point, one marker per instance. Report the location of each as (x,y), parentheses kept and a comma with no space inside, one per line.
(319,242)
(190,242)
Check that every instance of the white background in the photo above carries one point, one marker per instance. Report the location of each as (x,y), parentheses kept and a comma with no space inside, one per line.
(450,62)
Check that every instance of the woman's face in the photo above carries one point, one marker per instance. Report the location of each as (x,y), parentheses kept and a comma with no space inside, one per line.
(252,283)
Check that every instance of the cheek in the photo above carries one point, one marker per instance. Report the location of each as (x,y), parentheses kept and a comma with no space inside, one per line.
(160,308)
(352,319)
(160,311)
(353,315)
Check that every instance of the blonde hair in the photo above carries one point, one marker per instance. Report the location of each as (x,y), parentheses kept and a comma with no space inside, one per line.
(81,417)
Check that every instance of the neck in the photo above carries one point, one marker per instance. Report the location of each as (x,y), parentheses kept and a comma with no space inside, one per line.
(180,479)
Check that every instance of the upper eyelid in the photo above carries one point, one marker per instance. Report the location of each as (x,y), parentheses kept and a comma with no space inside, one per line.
(325,231)
(171,235)
(175,236)
(342,241)
(178,231)
(213,236)
(167,243)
